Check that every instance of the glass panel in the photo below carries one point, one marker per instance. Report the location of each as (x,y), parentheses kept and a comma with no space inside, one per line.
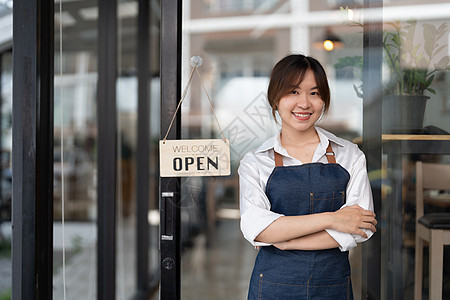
(155,121)
(75,158)
(416,126)
(126,149)
(240,41)
(6,8)
(5,173)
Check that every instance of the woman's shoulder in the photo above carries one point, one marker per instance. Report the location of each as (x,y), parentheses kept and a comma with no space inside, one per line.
(259,155)
(249,164)
(347,146)
(249,157)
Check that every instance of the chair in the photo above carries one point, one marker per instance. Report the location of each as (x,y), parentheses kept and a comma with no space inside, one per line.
(433,228)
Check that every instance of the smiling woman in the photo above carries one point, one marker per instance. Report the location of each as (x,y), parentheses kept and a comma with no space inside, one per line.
(301,208)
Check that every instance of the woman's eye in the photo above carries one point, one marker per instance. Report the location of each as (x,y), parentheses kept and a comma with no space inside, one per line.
(314,93)
(294,92)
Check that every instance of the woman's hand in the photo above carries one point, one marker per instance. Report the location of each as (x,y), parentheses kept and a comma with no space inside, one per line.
(352,219)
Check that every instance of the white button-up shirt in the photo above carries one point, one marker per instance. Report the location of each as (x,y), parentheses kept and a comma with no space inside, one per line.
(257,165)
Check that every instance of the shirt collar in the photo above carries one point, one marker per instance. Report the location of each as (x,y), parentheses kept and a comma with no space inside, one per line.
(325,137)
(275,142)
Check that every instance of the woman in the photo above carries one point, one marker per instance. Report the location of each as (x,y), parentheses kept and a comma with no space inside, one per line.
(305,197)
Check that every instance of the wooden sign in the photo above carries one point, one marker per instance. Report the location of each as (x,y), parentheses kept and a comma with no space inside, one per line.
(184,158)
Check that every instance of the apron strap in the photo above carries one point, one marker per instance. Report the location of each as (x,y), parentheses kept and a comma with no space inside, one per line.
(278,159)
(329,154)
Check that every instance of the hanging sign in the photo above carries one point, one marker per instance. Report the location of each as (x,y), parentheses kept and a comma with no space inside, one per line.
(181,158)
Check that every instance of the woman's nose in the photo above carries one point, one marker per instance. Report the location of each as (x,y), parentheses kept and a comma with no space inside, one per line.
(303,101)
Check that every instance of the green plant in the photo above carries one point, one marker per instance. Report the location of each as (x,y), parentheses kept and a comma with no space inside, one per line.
(77,243)
(412,65)
(5,248)
(356,65)
(5,295)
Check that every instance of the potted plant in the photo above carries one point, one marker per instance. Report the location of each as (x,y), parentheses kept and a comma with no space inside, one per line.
(412,68)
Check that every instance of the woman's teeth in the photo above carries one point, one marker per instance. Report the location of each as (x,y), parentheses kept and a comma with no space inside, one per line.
(301,115)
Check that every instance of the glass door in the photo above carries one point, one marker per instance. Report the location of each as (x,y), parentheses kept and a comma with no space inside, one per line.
(239,43)
(415,132)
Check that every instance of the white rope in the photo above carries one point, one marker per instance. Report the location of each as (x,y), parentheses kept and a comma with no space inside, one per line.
(194,68)
(62,151)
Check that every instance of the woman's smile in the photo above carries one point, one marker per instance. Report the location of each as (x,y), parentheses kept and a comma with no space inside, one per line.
(302,116)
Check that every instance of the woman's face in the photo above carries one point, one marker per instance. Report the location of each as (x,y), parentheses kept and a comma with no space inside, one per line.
(302,107)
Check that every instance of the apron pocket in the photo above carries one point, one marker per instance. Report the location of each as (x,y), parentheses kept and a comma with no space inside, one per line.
(336,289)
(277,288)
(326,201)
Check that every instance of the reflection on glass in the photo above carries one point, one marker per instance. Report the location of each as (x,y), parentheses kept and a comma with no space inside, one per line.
(5,172)
(153,213)
(126,194)
(415,87)
(75,157)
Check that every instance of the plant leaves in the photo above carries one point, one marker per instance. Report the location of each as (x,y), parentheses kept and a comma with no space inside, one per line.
(357,90)
(429,81)
(433,91)
(429,29)
(436,51)
(421,78)
(429,45)
(443,63)
(442,29)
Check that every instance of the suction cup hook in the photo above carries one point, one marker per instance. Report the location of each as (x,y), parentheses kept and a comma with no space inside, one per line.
(196,61)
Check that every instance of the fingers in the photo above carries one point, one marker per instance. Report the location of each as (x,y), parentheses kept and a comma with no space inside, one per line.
(368,219)
(361,233)
(354,219)
(367,212)
(369,226)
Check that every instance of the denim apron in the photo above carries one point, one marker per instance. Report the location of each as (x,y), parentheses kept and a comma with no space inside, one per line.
(297,274)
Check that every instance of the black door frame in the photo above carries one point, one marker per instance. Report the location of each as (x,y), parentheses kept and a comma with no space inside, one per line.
(171,19)
(372,145)
(32,155)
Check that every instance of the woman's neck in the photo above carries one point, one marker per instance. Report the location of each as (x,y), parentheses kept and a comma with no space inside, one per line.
(300,145)
(296,139)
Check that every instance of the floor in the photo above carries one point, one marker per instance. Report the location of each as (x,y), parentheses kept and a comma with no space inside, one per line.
(216,269)
(219,269)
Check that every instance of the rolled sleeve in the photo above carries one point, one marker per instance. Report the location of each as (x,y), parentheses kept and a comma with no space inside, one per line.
(254,204)
(358,192)
(254,220)
(346,241)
